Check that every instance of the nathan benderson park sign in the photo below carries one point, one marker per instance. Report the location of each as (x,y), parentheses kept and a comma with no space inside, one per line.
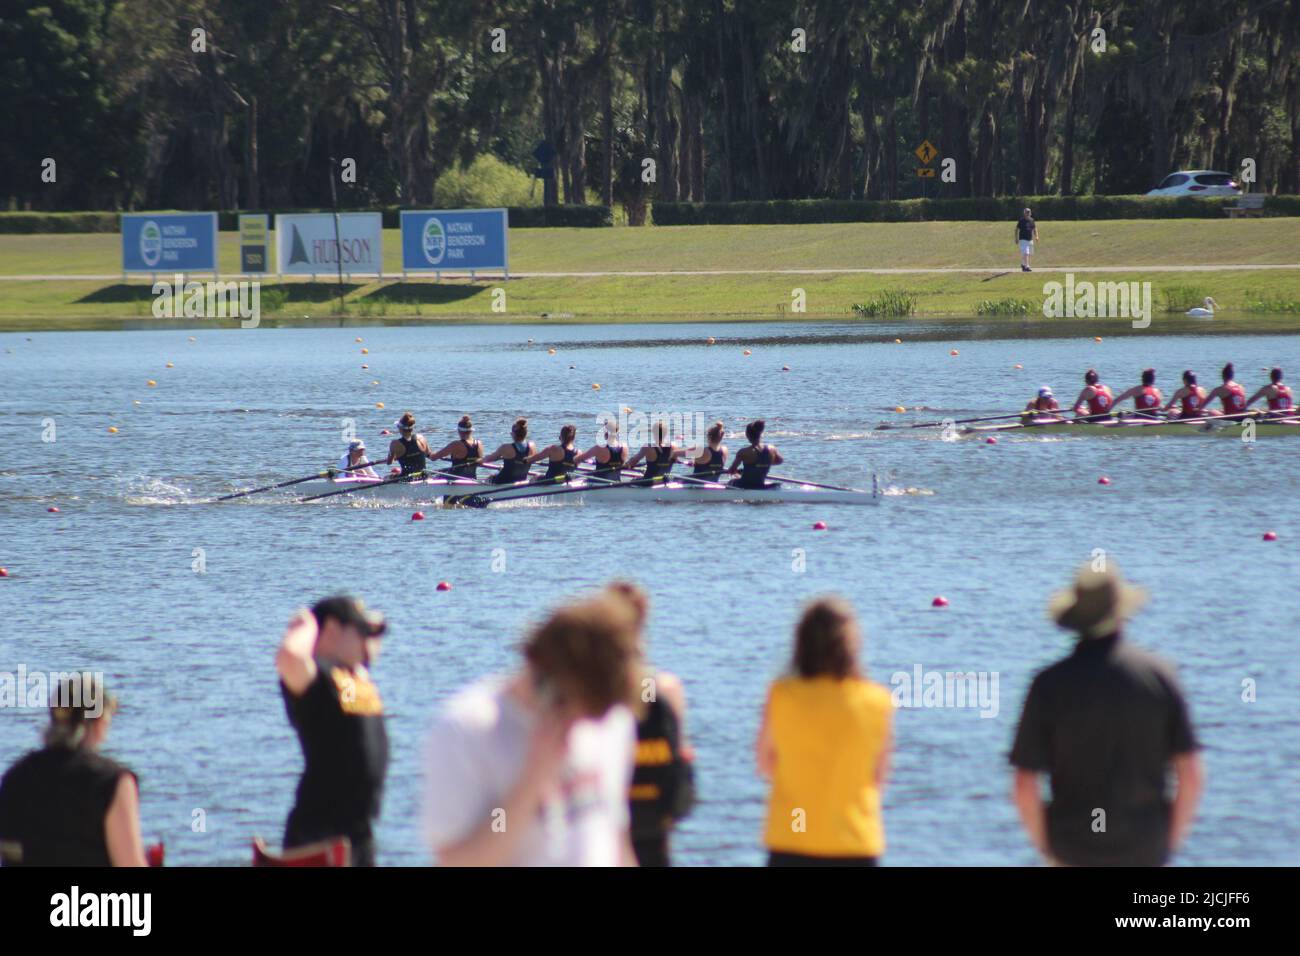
(175,242)
(455,240)
(311,244)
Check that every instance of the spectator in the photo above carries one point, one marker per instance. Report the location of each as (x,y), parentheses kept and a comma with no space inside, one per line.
(1026,235)
(335,708)
(1105,725)
(824,744)
(533,769)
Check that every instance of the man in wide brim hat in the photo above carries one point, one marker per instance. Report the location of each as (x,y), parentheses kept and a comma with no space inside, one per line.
(1098,602)
(1107,725)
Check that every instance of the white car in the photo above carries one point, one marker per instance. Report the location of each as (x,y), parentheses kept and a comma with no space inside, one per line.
(1197,182)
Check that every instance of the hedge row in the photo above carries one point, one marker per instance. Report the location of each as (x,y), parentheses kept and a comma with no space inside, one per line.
(521,217)
(1046,208)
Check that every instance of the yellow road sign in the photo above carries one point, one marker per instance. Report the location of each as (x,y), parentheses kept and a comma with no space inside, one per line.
(925,172)
(926,152)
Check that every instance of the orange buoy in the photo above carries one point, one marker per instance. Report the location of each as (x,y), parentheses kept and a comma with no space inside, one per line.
(365,368)
(365,351)
(444,585)
(418,516)
(710,341)
(898,341)
(595,386)
(939,601)
(358,340)
(1096,338)
(900,409)
(550,351)
(112,429)
(379,404)
(170,365)
(151,383)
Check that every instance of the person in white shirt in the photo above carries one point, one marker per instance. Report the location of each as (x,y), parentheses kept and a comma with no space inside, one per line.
(356,455)
(533,769)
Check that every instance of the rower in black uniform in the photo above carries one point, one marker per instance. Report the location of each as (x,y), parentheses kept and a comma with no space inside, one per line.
(711,462)
(658,457)
(410,450)
(513,455)
(559,457)
(608,456)
(754,461)
(465,452)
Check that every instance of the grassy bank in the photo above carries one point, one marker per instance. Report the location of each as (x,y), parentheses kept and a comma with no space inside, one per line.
(982,246)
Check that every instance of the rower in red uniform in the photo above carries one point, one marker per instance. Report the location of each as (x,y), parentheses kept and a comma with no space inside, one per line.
(1096,400)
(1230,393)
(1045,401)
(1278,395)
(1190,398)
(1146,397)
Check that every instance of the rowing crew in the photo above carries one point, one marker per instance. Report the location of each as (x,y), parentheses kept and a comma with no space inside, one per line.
(609,458)
(1097,402)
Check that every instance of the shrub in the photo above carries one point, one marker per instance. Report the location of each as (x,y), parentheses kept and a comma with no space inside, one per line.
(887,304)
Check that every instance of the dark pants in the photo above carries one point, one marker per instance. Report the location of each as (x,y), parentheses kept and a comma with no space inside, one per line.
(651,850)
(800,859)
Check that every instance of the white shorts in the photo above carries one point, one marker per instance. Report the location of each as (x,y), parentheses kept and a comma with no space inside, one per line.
(1026,247)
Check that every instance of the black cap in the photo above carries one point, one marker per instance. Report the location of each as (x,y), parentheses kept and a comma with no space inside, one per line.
(349,610)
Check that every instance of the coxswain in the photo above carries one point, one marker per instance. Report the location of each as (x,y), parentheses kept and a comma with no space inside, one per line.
(465,452)
(1044,401)
(409,450)
(1190,398)
(658,456)
(559,457)
(513,455)
(1096,400)
(1230,393)
(1146,397)
(711,461)
(608,455)
(753,461)
(356,456)
(66,804)
(1277,394)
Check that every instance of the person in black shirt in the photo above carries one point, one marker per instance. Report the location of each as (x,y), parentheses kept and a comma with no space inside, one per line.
(1106,724)
(65,804)
(1026,235)
(337,712)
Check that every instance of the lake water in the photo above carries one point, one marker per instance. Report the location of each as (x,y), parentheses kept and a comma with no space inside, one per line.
(108,582)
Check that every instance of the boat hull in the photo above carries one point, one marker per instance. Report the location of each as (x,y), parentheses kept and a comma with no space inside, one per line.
(434,490)
(1129,428)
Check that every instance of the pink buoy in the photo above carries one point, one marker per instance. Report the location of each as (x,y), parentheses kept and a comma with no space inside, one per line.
(819,526)
(940,601)
(444,585)
(1270,535)
(418,516)
(1103,480)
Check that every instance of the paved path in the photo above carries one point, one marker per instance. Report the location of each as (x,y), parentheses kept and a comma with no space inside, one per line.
(110,277)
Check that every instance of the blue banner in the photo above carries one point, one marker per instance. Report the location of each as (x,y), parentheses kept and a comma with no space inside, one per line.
(169,242)
(455,240)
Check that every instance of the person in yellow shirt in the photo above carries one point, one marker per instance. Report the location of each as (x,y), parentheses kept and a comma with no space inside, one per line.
(824,744)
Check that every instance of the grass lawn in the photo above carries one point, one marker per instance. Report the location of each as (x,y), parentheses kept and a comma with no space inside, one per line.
(967,245)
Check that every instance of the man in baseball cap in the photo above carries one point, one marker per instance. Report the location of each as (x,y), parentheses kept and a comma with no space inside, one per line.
(1044,401)
(356,456)
(336,710)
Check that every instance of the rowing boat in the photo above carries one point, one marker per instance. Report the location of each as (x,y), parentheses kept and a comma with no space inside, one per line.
(441,489)
(1129,427)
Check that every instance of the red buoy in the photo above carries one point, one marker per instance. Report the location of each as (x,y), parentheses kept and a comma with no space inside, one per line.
(4,572)
(418,516)
(1103,480)
(990,440)
(52,510)
(1268,536)
(819,526)
(940,601)
(444,585)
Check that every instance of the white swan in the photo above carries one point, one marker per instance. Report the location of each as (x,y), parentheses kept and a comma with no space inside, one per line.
(1205,313)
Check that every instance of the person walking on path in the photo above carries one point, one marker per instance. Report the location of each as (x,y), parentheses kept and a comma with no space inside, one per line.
(1105,725)
(1026,235)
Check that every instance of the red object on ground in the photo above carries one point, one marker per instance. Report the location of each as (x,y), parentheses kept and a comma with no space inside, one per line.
(418,516)
(336,852)
(940,601)
(1103,480)
(444,585)
(819,526)
(1268,536)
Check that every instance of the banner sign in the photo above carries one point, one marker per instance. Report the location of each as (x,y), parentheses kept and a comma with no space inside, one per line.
(305,243)
(254,239)
(169,242)
(455,240)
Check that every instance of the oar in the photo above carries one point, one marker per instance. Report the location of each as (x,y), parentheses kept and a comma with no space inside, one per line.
(813,484)
(484,498)
(961,421)
(327,473)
